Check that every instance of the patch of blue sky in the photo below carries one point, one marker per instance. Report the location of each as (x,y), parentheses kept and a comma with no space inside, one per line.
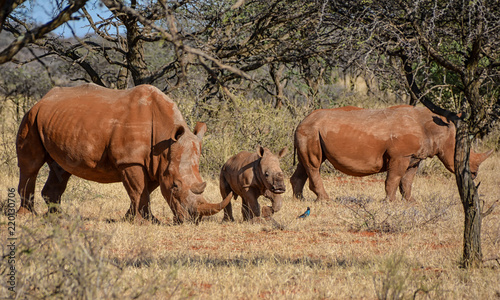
(43,11)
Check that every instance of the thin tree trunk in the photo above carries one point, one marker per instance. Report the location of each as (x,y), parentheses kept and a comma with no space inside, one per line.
(472,253)
(276,74)
(122,80)
(135,55)
(135,45)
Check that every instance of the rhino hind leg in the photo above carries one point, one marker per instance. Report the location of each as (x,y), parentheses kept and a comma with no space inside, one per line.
(26,190)
(225,189)
(311,157)
(55,186)
(31,156)
(298,180)
(136,184)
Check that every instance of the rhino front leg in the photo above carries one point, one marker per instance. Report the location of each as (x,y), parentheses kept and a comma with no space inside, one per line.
(277,202)
(146,210)
(250,207)
(134,181)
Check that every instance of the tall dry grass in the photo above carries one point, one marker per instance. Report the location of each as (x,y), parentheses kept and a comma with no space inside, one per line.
(355,246)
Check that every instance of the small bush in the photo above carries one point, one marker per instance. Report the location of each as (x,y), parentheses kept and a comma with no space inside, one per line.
(369,215)
(392,280)
(398,278)
(65,260)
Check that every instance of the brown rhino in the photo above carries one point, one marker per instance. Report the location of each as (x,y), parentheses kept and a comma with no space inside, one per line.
(362,142)
(135,136)
(250,175)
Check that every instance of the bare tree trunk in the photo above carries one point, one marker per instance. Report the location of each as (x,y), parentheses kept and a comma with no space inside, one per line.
(135,45)
(135,55)
(122,80)
(472,253)
(276,74)
(312,72)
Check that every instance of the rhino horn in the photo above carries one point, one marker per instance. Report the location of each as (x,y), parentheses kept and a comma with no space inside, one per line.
(208,209)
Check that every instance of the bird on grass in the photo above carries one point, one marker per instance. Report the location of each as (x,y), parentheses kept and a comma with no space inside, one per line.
(305,214)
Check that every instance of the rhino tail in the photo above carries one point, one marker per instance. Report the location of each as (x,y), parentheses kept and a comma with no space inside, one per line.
(322,147)
(294,148)
(28,139)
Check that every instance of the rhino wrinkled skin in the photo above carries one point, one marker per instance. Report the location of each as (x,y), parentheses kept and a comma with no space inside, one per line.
(135,136)
(250,175)
(362,142)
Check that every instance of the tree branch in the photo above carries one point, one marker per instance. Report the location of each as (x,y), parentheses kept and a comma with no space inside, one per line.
(39,32)
(416,93)
(6,8)
(434,53)
(489,210)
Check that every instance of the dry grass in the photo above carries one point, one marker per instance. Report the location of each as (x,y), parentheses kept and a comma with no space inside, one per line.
(353,247)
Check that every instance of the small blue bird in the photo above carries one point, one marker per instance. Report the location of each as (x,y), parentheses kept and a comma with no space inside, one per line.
(308,211)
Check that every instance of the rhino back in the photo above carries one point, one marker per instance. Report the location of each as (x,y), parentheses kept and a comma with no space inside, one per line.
(360,142)
(90,130)
(239,170)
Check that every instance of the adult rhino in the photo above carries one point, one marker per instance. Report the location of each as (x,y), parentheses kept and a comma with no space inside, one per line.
(362,142)
(135,136)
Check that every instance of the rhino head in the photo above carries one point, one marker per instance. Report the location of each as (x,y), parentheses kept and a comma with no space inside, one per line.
(270,175)
(180,180)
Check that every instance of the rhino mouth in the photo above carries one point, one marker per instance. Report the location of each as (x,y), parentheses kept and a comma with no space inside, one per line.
(278,190)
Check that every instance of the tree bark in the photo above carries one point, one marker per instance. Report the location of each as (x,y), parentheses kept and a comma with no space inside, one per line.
(472,252)
(135,43)
(135,55)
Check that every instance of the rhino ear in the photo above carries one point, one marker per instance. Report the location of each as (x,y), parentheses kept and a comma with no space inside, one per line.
(178,132)
(485,155)
(283,152)
(200,129)
(260,151)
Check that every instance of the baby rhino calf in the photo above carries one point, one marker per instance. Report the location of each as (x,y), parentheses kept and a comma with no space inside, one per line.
(250,175)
